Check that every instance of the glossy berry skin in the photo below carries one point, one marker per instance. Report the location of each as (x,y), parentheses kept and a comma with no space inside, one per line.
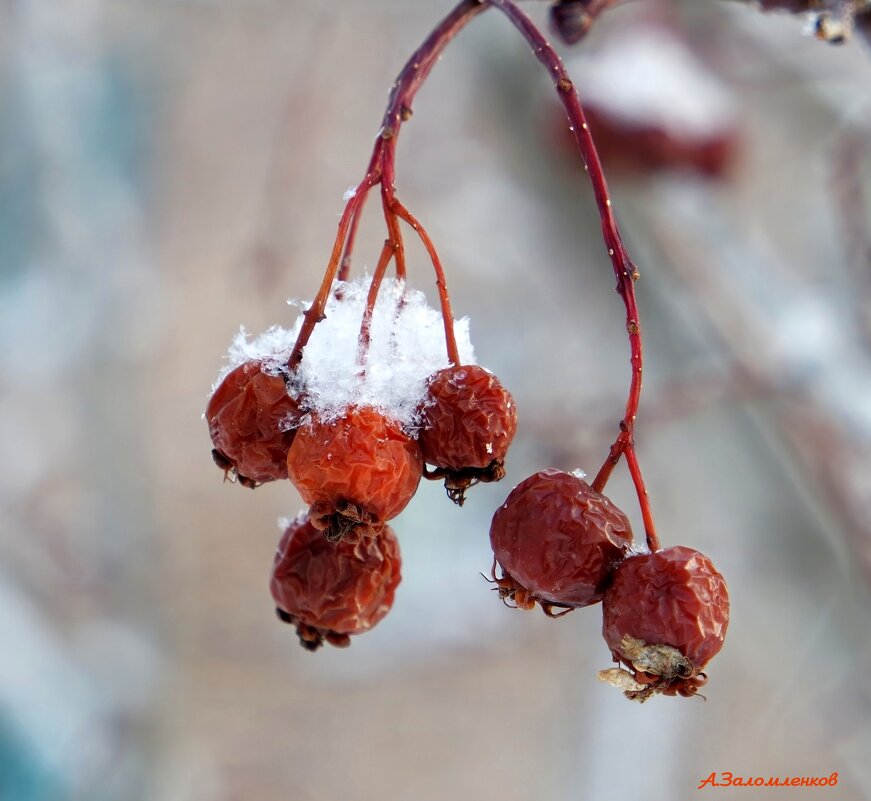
(557,540)
(673,597)
(250,416)
(357,472)
(330,591)
(467,424)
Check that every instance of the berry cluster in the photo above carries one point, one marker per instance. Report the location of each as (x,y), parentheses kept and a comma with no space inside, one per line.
(563,545)
(353,426)
(373,390)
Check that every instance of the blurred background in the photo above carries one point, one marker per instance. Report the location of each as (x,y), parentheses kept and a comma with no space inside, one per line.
(173,169)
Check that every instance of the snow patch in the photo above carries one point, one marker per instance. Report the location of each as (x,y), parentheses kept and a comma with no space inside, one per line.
(406,346)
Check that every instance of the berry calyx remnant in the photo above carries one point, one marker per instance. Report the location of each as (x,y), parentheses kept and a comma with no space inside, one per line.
(557,541)
(331,591)
(251,418)
(665,617)
(468,421)
(357,472)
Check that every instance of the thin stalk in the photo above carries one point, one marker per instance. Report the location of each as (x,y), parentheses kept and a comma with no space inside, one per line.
(441,281)
(387,253)
(624,269)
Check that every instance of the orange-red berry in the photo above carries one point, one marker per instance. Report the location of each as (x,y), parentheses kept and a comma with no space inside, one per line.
(468,420)
(356,472)
(330,591)
(251,417)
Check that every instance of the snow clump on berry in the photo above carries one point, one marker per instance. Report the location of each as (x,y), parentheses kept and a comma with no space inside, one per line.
(406,347)
(270,350)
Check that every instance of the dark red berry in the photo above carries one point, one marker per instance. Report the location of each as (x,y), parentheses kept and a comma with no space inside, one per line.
(356,472)
(467,423)
(557,541)
(570,20)
(251,418)
(330,591)
(665,617)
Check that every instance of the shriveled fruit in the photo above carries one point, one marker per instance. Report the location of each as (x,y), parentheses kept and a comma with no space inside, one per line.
(251,418)
(557,541)
(330,591)
(570,20)
(467,423)
(665,617)
(356,472)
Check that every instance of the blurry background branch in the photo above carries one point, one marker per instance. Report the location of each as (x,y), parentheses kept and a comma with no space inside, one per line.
(833,20)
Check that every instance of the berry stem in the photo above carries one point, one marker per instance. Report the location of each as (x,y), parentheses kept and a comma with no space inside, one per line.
(624,269)
(389,250)
(643,501)
(441,281)
(315,312)
(345,263)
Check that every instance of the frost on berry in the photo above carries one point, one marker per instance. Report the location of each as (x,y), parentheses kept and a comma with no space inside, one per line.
(467,423)
(665,617)
(251,418)
(356,472)
(330,591)
(557,541)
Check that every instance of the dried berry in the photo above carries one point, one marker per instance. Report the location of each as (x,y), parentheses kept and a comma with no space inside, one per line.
(330,591)
(557,541)
(251,418)
(570,20)
(467,423)
(665,617)
(356,472)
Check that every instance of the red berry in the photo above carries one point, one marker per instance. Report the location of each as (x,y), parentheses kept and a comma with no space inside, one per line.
(467,423)
(557,541)
(570,20)
(357,472)
(665,617)
(332,590)
(250,417)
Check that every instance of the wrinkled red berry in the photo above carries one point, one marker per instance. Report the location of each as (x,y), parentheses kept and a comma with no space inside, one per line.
(557,541)
(665,617)
(356,472)
(250,417)
(330,591)
(570,20)
(467,423)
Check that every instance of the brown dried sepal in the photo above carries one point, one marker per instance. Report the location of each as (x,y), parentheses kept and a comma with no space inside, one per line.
(310,637)
(656,669)
(516,596)
(343,521)
(458,481)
